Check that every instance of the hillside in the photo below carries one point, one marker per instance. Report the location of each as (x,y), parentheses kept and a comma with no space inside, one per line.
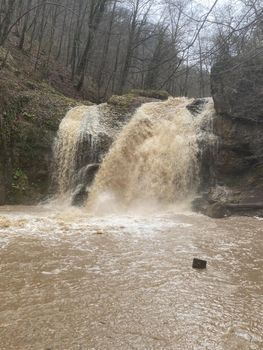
(32,107)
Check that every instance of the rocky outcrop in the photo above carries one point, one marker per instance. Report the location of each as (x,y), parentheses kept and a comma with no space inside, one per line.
(216,211)
(84,180)
(30,113)
(237,90)
(197,106)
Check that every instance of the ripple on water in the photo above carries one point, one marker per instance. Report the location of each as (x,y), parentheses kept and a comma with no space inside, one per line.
(69,281)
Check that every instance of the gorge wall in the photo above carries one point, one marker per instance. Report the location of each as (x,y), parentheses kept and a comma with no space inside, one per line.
(237,91)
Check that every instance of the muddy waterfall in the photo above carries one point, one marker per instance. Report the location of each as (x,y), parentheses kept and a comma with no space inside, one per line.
(154,160)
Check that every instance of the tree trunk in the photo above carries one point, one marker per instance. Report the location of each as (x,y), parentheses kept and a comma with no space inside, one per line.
(25,25)
(5,24)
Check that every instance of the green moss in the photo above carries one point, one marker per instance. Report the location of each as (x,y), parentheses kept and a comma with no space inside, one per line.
(160,95)
(30,115)
(45,108)
(121,101)
(19,181)
(124,102)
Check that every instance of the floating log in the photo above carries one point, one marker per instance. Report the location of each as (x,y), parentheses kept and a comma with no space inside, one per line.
(199,264)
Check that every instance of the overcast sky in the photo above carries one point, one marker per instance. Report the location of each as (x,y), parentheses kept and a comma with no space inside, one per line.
(207,3)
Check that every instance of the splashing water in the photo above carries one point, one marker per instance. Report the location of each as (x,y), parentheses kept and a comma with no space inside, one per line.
(154,161)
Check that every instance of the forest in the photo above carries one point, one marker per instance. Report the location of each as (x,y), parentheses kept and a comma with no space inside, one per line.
(112,46)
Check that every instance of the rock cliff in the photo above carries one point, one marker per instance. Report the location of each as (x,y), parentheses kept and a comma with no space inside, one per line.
(237,90)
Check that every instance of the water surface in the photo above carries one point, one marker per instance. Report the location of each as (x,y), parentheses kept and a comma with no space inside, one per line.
(68,281)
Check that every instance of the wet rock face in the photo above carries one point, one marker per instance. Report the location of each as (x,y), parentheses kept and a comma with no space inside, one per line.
(2,188)
(196,106)
(86,174)
(79,196)
(84,180)
(216,211)
(237,91)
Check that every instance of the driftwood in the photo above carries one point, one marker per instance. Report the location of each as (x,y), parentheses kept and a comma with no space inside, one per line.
(244,206)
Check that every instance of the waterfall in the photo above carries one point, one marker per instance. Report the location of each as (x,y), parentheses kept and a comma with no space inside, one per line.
(76,145)
(156,158)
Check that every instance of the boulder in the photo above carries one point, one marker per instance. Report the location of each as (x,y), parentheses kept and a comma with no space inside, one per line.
(86,174)
(199,263)
(197,106)
(84,180)
(79,196)
(216,210)
(199,204)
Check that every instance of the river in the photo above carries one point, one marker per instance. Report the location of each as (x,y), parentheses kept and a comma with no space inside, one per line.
(72,282)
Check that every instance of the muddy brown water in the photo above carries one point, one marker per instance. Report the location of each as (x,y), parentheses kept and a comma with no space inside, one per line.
(69,281)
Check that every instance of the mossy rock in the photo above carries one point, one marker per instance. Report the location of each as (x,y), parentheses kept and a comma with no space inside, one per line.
(159,95)
(125,105)
(123,101)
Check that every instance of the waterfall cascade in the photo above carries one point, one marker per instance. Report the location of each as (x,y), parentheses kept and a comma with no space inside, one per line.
(155,160)
(78,138)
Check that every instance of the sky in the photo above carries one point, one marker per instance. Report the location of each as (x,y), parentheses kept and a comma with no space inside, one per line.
(208,3)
